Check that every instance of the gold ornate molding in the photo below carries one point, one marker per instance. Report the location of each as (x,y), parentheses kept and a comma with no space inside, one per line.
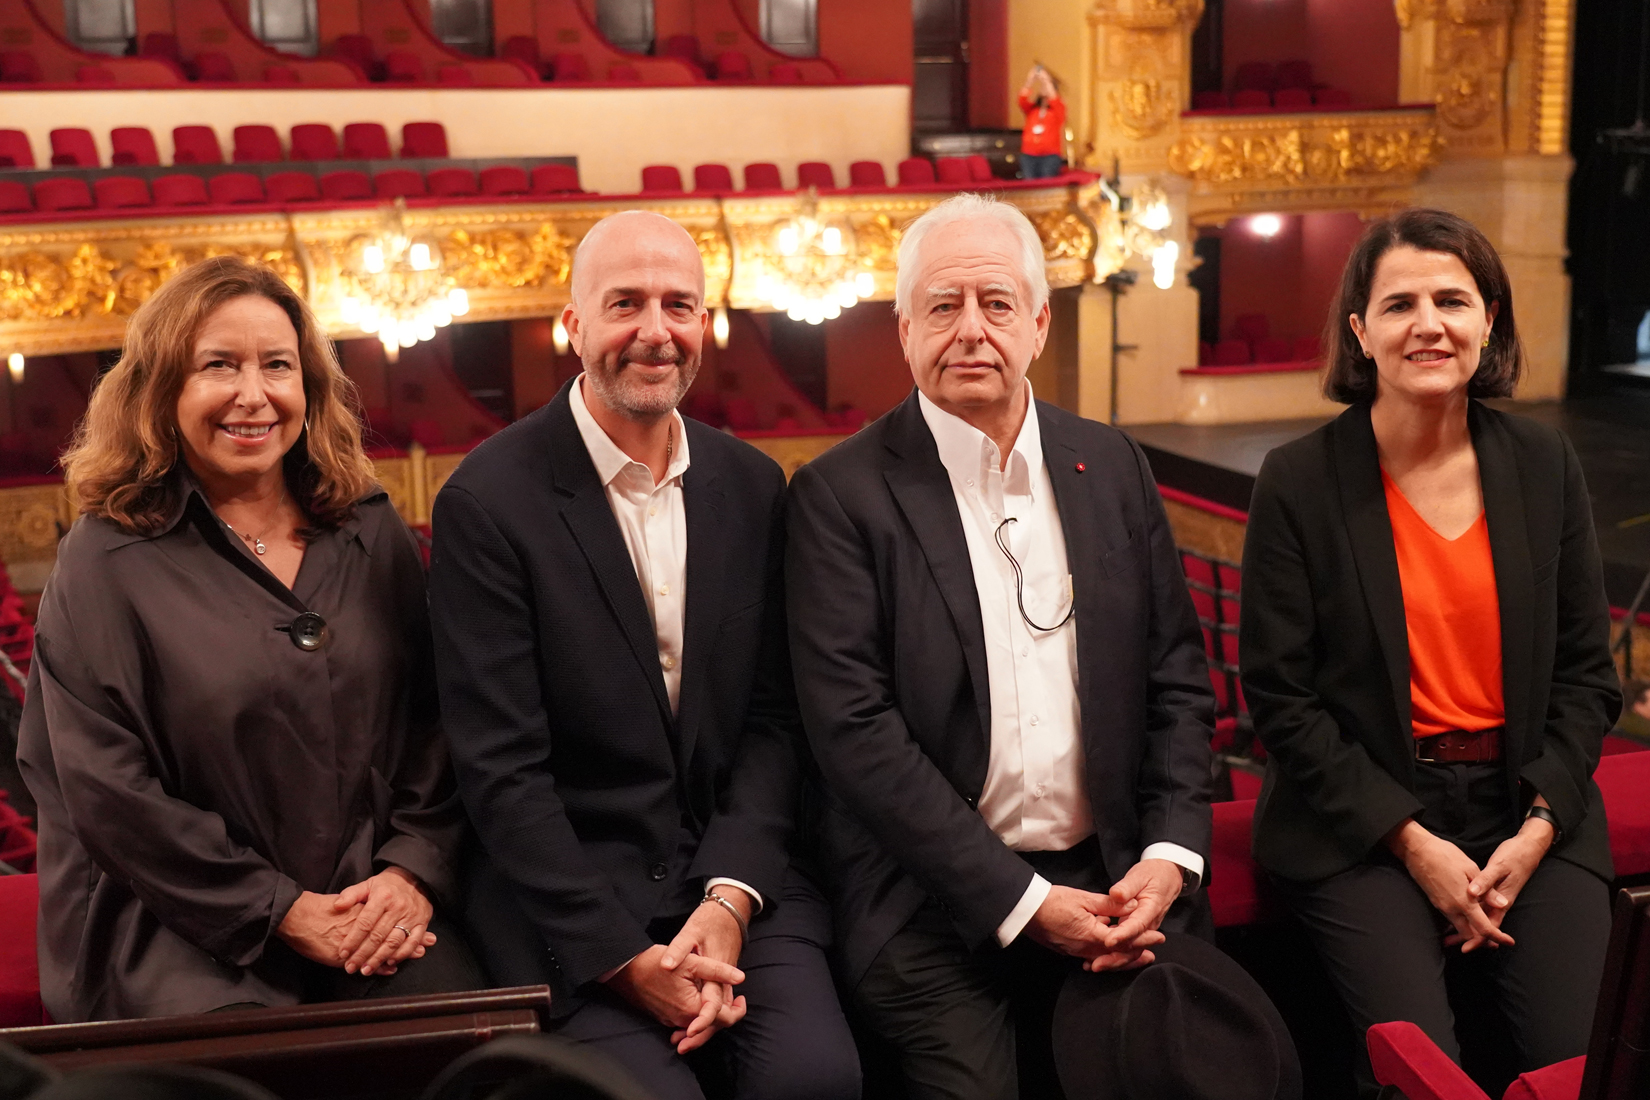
(1141,79)
(1361,159)
(1454,54)
(70,286)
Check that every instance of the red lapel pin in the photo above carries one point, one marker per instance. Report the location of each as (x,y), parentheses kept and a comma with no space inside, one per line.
(1080,467)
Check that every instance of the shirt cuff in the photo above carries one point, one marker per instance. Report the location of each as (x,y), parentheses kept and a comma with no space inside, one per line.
(756,899)
(1180,857)
(1021,914)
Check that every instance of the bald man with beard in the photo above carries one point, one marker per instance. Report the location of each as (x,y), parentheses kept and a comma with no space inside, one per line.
(607,597)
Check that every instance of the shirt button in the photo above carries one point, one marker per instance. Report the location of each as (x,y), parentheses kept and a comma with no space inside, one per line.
(653,511)
(657,872)
(1034,719)
(970,483)
(664,590)
(993,517)
(1025,652)
(1041,790)
(670,662)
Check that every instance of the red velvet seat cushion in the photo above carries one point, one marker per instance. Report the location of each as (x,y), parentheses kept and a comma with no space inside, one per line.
(504,179)
(763,176)
(19,966)
(1402,1055)
(1237,886)
(314,141)
(1559,1081)
(366,141)
(1623,778)
(817,174)
(423,139)
(555,179)
(133,145)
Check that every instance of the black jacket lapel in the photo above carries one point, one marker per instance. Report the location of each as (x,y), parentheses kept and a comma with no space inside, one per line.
(702,498)
(1363,503)
(590,518)
(922,489)
(1514,573)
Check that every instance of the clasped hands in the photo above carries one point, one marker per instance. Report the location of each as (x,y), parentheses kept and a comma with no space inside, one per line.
(1111,931)
(1473,900)
(688,984)
(371,928)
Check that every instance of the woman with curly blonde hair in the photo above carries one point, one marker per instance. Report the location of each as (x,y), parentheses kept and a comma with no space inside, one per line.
(231,727)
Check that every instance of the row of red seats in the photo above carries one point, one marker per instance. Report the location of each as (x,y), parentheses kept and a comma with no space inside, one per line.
(1284,99)
(764,176)
(730,66)
(235,188)
(1237,352)
(135,145)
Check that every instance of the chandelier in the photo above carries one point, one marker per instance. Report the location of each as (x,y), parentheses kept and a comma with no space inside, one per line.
(396,287)
(812,272)
(1135,224)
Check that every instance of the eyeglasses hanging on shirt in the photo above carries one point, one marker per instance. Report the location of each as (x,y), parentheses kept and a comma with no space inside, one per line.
(1020,584)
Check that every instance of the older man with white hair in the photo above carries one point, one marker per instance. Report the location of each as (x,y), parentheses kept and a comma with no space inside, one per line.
(607,600)
(1002,677)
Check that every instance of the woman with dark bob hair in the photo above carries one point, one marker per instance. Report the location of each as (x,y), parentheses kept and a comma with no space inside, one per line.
(231,727)
(1424,646)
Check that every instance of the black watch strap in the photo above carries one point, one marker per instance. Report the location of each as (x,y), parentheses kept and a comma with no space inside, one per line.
(1544,814)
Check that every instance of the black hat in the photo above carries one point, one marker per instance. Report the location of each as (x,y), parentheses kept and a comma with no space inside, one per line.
(1191,1026)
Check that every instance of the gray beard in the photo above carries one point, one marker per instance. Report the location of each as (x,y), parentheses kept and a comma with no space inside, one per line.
(640,402)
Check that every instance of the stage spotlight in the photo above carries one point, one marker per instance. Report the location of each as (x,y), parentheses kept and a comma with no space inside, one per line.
(1266,225)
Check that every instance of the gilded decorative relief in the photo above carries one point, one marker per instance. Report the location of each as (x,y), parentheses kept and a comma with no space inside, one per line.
(1140,80)
(507,259)
(1141,107)
(1454,53)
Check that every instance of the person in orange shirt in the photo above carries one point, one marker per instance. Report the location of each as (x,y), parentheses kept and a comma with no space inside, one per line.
(1045,111)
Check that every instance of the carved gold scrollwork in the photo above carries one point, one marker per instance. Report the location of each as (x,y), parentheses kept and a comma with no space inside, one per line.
(1470,63)
(1065,234)
(1140,107)
(1292,157)
(717,253)
(507,259)
(38,286)
(878,239)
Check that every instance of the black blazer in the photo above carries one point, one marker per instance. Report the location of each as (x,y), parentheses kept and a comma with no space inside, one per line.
(1325,653)
(890,662)
(597,811)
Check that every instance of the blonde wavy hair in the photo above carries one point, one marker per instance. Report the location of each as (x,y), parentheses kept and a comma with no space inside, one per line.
(120,461)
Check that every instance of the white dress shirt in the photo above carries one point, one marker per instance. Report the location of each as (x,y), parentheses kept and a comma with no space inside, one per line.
(653,520)
(1036,793)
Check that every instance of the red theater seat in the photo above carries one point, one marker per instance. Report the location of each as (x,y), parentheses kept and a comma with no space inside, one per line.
(1294,73)
(14,198)
(257,145)
(1237,886)
(133,145)
(15,151)
(292,187)
(1273,349)
(401,67)
(62,194)
(1252,99)
(120,192)
(763,176)
(504,179)
(622,73)
(685,47)
(423,139)
(93,74)
(916,171)
(1254,76)
(357,49)
(19,965)
(525,49)
(784,72)
(161,45)
(663,178)
(451,182)
(18,67)
(73,148)
(569,67)
(733,65)
(346,186)
(215,68)
(455,76)
(280,74)
(555,179)
(1210,101)
(1292,99)
(180,190)
(366,141)
(712,177)
(234,188)
(195,145)
(979,169)
(1623,779)
(1333,97)
(399,183)
(314,141)
(1232,353)
(867,173)
(952,170)
(816,174)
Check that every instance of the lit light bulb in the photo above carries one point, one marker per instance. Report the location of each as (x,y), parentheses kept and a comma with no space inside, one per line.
(831,240)
(1164,259)
(832,310)
(865,284)
(408,335)
(440,314)
(372,258)
(426,329)
(719,327)
(1266,225)
(558,337)
(419,257)
(788,240)
(1156,217)
(349,310)
(458,300)
(14,364)
(797,311)
(370,321)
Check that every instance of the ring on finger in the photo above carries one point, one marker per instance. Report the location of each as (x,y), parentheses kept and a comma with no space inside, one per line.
(404,930)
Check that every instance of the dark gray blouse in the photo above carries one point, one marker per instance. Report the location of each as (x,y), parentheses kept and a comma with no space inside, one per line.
(196,769)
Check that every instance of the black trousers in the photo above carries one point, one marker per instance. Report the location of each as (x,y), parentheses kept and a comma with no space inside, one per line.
(1382,941)
(793,1043)
(976,1025)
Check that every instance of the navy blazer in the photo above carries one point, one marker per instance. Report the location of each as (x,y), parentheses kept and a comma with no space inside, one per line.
(1325,652)
(890,662)
(597,811)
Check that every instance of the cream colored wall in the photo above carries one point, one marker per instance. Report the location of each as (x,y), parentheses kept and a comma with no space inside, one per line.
(613,131)
(1054,32)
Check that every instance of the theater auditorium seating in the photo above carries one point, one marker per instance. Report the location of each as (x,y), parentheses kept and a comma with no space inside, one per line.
(763,176)
(366,141)
(195,145)
(73,148)
(15,198)
(867,173)
(346,185)
(712,177)
(314,141)
(256,144)
(661,179)
(816,174)
(292,187)
(555,179)
(423,139)
(503,180)
(121,192)
(15,151)
(19,968)
(133,145)
(180,190)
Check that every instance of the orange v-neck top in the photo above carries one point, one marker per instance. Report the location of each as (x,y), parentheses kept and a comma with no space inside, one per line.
(1453,616)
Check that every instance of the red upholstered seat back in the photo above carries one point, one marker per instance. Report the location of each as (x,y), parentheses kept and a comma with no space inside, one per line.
(1254,75)
(979,169)
(120,192)
(180,190)
(403,67)
(684,46)
(784,72)
(234,188)
(346,186)
(93,74)
(953,170)
(504,179)
(366,141)
(1402,1055)
(552,179)
(916,171)
(162,45)
(423,139)
(398,182)
(19,67)
(661,177)
(314,141)
(867,173)
(732,65)
(292,187)
(257,145)
(1294,73)
(62,194)
(455,75)
(624,73)
(133,145)
(15,151)
(763,176)
(815,173)
(19,966)
(451,182)
(195,145)
(280,74)
(712,177)
(215,68)
(570,66)
(523,48)
(1252,99)
(1292,99)
(14,197)
(73,148)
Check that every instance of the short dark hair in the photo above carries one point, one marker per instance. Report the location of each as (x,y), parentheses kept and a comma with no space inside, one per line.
(1350,377)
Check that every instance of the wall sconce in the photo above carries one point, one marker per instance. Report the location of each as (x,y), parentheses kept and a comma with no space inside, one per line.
(719,327)
(14,364)
(558,337)
(1266,225)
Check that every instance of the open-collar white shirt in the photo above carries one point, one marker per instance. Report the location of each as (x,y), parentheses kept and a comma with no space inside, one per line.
(1036,793)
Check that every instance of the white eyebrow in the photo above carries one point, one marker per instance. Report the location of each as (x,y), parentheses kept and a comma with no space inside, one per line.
(998,288)
(944,292)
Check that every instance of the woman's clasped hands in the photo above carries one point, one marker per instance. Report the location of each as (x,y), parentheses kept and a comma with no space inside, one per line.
(370,928)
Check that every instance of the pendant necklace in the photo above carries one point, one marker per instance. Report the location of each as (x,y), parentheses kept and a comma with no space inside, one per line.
(257,541)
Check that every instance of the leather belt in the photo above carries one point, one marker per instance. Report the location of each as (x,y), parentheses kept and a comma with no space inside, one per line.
(1458,747)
